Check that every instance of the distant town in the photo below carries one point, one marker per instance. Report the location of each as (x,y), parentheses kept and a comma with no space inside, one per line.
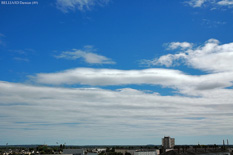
(167,147)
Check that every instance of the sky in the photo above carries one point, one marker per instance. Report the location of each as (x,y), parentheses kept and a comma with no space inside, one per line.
(116,72)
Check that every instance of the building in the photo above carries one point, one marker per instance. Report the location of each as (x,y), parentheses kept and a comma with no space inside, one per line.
(73,151)
(131,151)
(124,151)
(145,152)
(168,142)
(99,150)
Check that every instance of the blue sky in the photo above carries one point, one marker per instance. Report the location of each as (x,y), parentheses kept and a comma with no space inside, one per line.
(116,72)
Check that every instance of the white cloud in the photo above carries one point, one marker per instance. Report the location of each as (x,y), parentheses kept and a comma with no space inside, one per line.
(81,5)
(87,55)
(200,3)
(104,77)
(183,83)
(175,45)
(226,2)
(210,57)
(33,112)
(196,3)
(166,60)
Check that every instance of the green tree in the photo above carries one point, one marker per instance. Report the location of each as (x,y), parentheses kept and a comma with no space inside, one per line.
(127,153)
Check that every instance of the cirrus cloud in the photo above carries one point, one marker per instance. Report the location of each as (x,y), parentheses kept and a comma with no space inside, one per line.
(201,3)
(82,5)
(196,3)
(2,43)
(226,2)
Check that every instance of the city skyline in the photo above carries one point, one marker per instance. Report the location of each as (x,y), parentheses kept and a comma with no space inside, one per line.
(99,72)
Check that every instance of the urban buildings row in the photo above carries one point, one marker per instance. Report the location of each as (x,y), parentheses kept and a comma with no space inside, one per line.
(168,148)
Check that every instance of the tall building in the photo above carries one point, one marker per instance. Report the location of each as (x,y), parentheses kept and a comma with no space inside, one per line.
(168,142)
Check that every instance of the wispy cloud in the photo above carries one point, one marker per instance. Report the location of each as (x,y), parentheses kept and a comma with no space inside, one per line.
(226,2)
(81,5)
(212,24)
(201,3)
(22,54)
(2,43)
(86,54)
(21,59)
(196,3)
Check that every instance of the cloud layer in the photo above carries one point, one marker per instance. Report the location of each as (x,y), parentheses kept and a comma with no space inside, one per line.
(93,113)
(183,83)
